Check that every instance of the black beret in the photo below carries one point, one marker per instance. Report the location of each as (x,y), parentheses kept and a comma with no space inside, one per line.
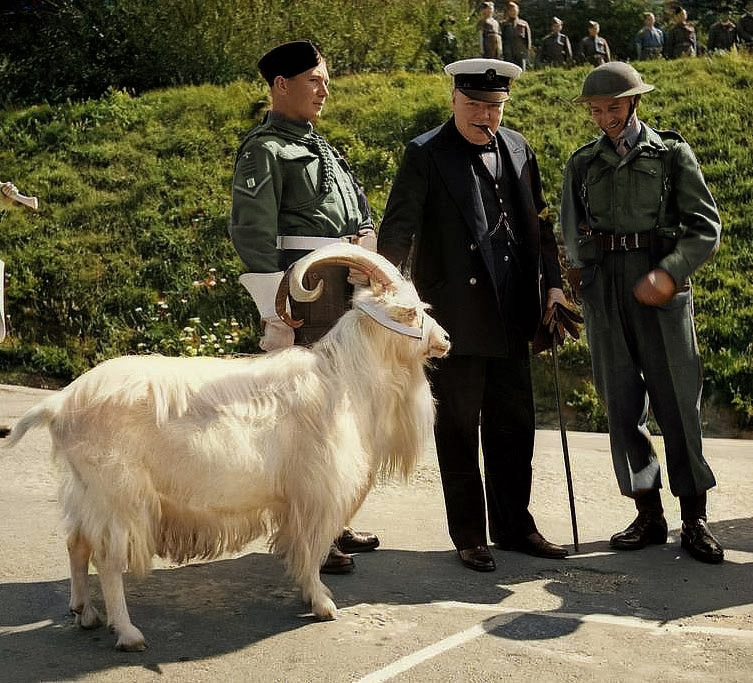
(288,60)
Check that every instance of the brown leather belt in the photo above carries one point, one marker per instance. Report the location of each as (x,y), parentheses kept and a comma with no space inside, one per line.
(609,241)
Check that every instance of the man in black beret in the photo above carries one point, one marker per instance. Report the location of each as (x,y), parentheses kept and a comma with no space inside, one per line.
(467,212)
(293,193)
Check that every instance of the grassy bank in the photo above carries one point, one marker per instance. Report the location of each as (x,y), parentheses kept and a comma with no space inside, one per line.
(130,253)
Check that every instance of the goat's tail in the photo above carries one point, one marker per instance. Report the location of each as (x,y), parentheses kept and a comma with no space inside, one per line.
(38,416)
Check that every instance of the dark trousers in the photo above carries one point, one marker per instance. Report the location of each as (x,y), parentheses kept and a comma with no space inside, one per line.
(640,353)
(495,394)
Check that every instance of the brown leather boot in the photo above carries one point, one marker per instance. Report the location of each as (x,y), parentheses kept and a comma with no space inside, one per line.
(648,527)
(695,536)
(337,562)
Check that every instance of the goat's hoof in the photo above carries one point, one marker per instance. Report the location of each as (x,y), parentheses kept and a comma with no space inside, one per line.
(88,618)
(325,610)
(130,640)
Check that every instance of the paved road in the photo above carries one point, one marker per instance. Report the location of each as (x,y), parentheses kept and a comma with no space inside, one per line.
(410,612)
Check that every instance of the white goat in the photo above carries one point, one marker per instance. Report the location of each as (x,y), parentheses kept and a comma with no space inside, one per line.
(192,457)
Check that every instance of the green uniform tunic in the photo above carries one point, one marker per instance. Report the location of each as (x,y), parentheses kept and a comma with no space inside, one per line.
(289,181)
(641,352)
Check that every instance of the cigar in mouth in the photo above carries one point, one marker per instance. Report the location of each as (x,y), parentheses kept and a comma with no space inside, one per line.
(486,130)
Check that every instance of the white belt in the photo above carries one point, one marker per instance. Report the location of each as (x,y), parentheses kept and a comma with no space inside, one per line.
(308,243)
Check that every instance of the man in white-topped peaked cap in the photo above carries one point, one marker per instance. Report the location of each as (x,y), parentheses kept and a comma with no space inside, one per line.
(467,212)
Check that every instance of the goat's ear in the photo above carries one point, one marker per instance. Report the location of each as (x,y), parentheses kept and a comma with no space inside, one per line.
(377,288)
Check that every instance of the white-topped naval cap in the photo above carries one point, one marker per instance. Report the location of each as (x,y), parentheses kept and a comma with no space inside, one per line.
(484,79)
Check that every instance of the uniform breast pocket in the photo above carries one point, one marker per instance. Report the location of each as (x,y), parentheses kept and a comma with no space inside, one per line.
(301,171)
(599,192)
(645,190)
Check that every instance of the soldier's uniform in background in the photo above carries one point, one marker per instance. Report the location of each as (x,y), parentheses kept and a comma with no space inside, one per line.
(595,51)
(516,41)
(681,41)
(649,43)
(556,50)
(745,29)
(491,38)
(290,190)
(722,35)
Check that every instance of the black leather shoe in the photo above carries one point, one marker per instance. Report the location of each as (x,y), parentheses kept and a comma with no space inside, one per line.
(697,539)
(337,562)
(646,528)
(533,544)
(350,541)
(478,558)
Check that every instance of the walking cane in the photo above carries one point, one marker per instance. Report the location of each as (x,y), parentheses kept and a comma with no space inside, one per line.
(565,450)
(551,333)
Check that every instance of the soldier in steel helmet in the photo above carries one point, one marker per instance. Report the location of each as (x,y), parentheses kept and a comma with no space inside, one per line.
(292,193)
(638,220)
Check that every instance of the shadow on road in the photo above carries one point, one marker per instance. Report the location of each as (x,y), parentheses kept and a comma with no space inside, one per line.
(205,610)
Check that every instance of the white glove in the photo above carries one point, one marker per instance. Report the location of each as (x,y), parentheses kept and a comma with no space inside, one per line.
(6,190)
(263,288)
(367,239)
(277,335)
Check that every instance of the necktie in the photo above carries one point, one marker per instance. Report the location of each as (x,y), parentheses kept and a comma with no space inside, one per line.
(622,147)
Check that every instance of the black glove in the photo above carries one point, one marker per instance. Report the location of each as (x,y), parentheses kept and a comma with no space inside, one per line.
(555,326)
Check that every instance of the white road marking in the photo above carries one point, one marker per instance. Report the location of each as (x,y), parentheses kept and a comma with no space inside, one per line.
(505,615)
(25,628)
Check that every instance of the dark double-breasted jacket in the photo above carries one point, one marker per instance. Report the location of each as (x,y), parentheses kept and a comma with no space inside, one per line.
(435,220)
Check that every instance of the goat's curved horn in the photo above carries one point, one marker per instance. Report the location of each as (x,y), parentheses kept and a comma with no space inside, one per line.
(375,267)
(281,300)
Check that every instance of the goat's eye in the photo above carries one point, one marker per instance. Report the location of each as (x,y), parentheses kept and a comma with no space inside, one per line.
(407,316)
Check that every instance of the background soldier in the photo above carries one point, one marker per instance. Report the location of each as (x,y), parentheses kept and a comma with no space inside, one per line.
(723,33)
(491,38)
(745,26)
(649,41)
(638,220)
(292,193)
(516,37)
(445,43)
(593,48)
(681,40)
(555,48)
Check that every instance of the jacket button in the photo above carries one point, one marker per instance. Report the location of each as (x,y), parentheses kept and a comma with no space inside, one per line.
(473,246)
(472,281)
(507,258)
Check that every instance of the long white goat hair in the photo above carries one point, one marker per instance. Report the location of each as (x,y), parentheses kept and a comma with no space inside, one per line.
(193,457)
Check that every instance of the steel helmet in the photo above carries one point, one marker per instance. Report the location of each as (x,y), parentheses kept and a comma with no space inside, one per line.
(613,79)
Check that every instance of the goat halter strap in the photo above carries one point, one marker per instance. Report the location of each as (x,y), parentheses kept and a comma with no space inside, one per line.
(379,315)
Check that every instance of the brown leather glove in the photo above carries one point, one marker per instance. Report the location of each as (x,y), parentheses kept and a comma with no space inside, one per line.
(556,324)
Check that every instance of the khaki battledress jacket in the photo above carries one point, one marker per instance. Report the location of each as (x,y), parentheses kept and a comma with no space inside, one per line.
(289,182)
(657,186)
